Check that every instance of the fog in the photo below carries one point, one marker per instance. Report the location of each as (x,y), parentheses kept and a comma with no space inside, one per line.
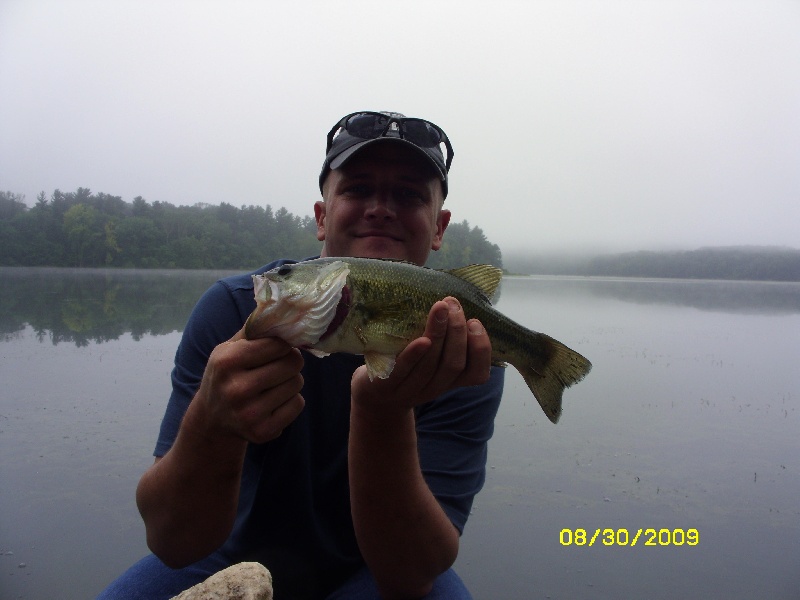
(577,126)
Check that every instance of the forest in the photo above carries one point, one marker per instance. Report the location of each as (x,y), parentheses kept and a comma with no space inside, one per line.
(85,229)
(753,263)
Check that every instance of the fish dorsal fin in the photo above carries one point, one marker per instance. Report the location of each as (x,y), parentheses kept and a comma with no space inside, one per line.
(484,277)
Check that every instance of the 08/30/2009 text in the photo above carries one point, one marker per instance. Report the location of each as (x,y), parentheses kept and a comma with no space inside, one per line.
(621,537)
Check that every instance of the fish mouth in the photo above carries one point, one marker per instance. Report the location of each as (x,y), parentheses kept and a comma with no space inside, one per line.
(302,313)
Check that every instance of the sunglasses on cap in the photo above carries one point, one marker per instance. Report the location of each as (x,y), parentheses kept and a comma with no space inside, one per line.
(368,125)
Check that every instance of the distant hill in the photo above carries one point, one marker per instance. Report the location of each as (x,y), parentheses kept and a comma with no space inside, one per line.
(756,263)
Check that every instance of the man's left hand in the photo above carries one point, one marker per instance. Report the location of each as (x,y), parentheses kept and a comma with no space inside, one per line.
(452,352)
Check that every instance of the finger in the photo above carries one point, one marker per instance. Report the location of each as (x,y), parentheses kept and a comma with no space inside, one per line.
(436,330)
(266,414)
(234,378)
(446,358)
(278,370)
(280,418)
(453,357)
(252,354)
(479,354)
(436,325)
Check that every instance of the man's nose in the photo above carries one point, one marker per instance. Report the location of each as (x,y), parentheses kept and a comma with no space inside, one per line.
(381,206)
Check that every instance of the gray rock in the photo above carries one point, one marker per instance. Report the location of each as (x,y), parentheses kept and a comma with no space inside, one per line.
(243,581)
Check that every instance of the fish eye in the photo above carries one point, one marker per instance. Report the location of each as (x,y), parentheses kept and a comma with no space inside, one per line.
(284,270)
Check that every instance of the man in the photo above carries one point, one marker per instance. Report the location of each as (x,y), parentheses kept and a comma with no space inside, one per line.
(342,487)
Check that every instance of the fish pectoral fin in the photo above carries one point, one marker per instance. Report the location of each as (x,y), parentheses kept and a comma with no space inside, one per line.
(379,365)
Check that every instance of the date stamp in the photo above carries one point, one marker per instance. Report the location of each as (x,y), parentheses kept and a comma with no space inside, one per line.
(623,537)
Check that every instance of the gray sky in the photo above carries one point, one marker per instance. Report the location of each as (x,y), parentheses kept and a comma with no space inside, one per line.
(612,125)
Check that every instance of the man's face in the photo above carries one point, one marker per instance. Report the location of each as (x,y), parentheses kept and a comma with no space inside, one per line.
(385,202)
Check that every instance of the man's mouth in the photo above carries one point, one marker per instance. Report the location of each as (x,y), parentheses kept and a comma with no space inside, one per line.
(377,233)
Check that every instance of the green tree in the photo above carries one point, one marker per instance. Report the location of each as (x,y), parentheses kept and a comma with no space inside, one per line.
(11,205)
(85,235)
(137,238)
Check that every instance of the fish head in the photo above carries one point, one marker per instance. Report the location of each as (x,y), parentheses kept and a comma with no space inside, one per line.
(297,302)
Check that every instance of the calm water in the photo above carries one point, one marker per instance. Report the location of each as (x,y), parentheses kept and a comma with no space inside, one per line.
(688,421)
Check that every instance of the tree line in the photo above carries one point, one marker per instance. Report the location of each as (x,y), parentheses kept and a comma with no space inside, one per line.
(754,263)
(85,229)
(736,262)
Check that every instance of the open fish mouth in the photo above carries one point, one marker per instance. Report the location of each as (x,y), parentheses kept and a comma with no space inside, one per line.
(300,314)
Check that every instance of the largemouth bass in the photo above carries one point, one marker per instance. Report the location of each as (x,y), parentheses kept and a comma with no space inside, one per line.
(376,307)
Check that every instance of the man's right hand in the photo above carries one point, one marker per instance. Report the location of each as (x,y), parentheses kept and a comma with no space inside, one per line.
(250,392)
(251,388)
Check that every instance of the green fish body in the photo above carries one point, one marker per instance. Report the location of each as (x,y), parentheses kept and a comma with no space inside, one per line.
(376,307)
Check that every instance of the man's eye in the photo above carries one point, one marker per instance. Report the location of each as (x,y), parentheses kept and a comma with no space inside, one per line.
(358,189)
(412,194)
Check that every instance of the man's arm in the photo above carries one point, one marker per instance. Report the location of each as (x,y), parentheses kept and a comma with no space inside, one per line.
(250,392)
(406,538)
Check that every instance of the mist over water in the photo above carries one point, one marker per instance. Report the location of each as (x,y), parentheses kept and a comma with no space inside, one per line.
(688,420)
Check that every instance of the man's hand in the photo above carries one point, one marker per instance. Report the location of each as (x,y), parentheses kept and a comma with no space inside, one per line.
(452,352)
(406,538)
(251,388)
(250,392)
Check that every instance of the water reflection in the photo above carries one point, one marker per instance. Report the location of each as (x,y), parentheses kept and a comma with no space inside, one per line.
(747,297)
(739,297)
(83,306)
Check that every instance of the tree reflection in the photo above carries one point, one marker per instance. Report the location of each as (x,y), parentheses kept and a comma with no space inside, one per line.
(83,306)
(90,306)
(744,297)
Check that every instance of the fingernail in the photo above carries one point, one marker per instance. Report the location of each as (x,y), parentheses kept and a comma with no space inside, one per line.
(441,315)
(475,327)
(453,305)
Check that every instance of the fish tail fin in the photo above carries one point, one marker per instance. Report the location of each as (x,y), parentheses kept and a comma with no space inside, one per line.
(549,371)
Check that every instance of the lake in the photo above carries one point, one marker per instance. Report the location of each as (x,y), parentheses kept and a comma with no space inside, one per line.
(687,429)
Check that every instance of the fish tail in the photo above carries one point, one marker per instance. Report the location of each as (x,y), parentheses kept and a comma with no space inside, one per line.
(550,370)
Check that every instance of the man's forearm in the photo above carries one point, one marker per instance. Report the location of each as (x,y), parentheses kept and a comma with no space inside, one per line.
(188,498)
(404,535)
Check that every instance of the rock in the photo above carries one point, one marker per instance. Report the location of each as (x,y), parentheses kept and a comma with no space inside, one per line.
(243,581)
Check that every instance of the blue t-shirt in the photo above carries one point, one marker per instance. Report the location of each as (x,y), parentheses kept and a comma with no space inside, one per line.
(294,506)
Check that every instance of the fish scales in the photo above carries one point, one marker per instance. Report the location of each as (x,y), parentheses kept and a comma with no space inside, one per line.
(391,302)
(376,307)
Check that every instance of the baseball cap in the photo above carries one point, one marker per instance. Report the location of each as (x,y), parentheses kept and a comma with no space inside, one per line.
(355,131)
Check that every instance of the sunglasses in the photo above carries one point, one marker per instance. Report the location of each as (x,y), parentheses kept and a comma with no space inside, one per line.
(372,125)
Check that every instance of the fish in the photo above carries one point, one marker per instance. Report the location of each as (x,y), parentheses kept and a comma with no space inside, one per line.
(376,307)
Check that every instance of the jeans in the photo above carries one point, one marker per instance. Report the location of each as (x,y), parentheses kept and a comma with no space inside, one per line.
(150,579)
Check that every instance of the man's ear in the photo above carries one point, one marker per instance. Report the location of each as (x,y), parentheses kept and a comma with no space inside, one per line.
(319,216)
(442,221)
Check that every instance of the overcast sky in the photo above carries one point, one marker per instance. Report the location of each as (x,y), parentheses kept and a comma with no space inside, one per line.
(599,125)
